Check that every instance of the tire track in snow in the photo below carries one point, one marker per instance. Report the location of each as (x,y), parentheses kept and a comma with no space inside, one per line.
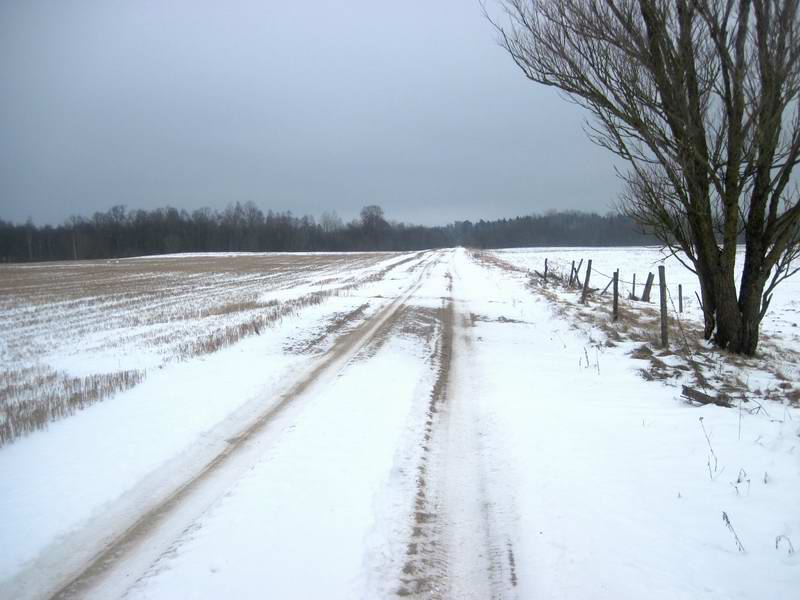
(479,490)
(481,507)
(425,566)
(106,570)
(456,546)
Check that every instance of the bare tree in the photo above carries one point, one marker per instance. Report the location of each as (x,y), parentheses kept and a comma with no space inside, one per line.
(331,222)
(372,219)
(700,97)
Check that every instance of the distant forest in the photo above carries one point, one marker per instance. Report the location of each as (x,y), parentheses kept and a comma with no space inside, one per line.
(245,228)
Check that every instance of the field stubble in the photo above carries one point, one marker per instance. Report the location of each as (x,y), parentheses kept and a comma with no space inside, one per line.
(77,333)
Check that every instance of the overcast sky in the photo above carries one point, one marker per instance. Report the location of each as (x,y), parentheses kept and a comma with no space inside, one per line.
(303,106)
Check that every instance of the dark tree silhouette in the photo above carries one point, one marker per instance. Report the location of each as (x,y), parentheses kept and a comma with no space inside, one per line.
(119,233)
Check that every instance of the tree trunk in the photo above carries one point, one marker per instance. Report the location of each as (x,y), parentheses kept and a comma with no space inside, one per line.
(754,278)
(729,319)
(751,325)
(707,263)
(708,299)
(735,323)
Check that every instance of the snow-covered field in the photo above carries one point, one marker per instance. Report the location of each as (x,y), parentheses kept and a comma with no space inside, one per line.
(430,425)
(76,333)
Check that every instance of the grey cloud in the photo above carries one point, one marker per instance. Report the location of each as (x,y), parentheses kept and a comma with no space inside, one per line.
(305,107)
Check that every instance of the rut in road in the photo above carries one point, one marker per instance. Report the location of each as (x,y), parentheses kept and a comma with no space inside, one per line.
(459,544)
(110,558)
(425,567)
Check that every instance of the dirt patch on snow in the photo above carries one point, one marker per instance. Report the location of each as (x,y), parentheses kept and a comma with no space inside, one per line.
(474,318)
(317,343)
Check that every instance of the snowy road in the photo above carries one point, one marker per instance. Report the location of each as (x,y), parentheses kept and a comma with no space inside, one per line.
(447,441)
(157,532)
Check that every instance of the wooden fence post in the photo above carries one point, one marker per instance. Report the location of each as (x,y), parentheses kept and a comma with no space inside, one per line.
(633,289)
(662,281)
(571,273)
(616,294)
(586,281)
(680,298)
(647,286)
(545,271)
(577,273)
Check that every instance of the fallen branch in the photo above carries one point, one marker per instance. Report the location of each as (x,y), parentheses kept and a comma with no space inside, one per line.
(694,395)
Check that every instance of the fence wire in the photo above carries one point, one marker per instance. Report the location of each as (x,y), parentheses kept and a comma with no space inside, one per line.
(625,281)
(559,264)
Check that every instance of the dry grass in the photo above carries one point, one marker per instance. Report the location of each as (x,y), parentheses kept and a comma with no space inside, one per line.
(231,334)
(713,370)
(145,313)
(32,397)
(490,260)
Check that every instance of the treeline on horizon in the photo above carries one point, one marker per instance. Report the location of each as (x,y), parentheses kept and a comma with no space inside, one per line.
(120,233)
